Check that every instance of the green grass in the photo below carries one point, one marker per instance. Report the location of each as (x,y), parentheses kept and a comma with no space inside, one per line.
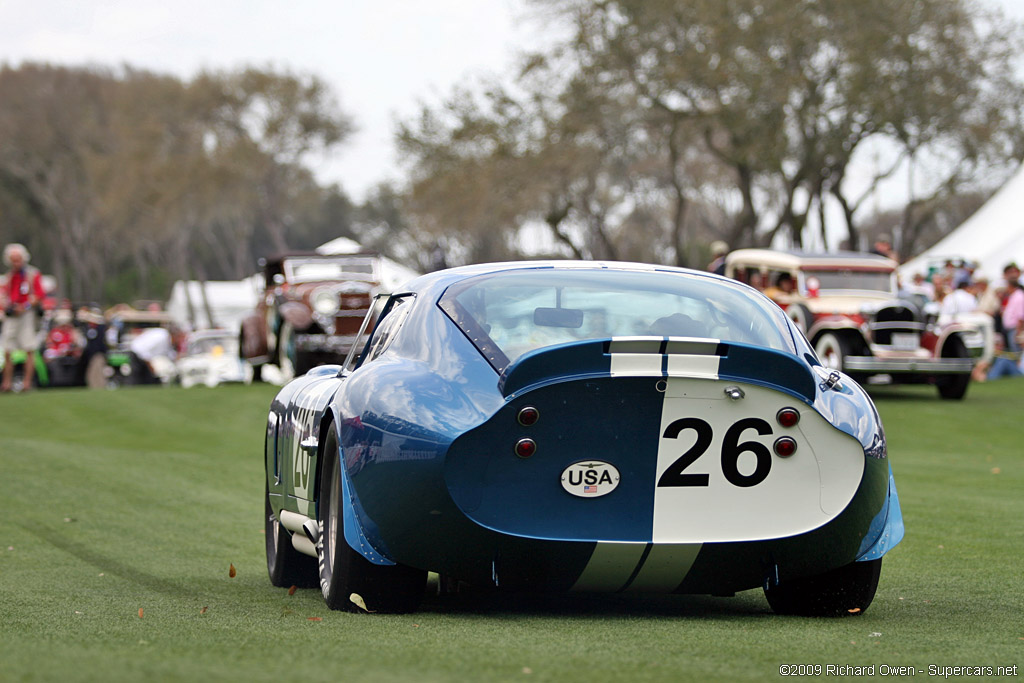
(142,499)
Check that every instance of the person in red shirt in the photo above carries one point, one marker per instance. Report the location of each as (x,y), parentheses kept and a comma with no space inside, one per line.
(20,294)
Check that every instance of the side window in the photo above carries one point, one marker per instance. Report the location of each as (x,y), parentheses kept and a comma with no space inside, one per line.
(388,327)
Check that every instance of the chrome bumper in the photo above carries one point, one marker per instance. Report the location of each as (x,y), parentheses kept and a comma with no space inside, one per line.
(332,343)
(927,366)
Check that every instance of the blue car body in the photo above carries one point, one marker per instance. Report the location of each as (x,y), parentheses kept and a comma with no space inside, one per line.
(585,443)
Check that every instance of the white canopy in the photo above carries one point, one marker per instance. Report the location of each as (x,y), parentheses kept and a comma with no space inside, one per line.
(229,303)
(993,236)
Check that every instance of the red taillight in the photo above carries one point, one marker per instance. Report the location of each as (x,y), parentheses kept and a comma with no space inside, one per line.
(785,446)
(526,447)
(528,416)
(788,417)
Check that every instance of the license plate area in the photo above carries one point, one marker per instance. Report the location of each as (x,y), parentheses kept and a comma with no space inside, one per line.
(906,341)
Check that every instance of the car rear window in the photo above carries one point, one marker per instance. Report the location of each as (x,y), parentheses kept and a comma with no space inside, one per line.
(510,313)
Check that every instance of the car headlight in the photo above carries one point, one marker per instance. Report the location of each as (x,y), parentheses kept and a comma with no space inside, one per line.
(325,302)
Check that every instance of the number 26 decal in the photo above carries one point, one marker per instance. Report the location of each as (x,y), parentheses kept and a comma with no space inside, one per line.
(732,448)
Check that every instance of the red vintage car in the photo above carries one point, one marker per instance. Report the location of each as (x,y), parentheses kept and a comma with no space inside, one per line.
(848,306)
(309,310)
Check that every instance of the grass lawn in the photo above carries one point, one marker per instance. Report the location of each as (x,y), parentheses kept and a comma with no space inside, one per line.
(123,512)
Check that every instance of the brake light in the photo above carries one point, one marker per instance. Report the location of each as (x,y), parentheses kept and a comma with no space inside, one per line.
(788,417)
(526,448)
(785,446)
(528,416)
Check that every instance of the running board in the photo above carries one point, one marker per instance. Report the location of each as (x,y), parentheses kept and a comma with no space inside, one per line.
(305,531)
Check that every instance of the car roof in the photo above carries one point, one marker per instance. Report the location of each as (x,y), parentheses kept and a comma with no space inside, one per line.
(795,259)
(434,283)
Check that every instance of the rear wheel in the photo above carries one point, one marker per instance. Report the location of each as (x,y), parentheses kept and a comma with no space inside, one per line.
(845,591)
(954,386)
(286,566)
(346,574)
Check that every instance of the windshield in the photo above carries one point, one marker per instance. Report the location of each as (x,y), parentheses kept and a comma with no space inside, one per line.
(214,345)
(518,311)
(315,270)
(861,280)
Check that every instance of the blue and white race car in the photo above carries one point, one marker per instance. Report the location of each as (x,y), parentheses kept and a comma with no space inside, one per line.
(579,426)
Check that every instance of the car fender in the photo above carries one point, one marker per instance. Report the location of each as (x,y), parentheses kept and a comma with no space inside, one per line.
(886,528)
(295,314)
(832,325)
(253,337)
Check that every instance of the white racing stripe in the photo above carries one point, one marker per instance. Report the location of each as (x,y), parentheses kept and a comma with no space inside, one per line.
(665,568)
(610,567)
(714,434)
(658,357)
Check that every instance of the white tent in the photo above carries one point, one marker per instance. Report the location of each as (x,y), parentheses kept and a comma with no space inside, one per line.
(229,303)
(993,236)
(393,274)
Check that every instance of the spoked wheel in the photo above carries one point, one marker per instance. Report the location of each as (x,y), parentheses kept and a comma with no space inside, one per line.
(832,349)
(841,592)
(286,566)
(346,577)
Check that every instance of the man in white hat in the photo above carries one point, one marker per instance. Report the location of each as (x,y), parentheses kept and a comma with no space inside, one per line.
(21,294)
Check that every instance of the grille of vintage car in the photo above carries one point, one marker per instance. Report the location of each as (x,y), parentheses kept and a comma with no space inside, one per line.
(897,324)
(338,311)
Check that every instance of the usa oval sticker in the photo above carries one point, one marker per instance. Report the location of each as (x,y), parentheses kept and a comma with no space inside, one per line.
(590,478)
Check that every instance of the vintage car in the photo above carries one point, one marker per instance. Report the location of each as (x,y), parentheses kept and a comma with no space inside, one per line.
(309,310)
(581,426)
(848,306)
(124,321)
(211,358)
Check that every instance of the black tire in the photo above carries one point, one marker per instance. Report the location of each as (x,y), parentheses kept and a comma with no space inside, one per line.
(344,572)
(846,591)
(954,387)
(286,566)
(832,350)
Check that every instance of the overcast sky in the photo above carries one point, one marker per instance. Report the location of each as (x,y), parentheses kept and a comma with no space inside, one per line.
(380,56)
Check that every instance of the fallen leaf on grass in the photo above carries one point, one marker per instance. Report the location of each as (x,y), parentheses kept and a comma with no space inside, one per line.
(855,610)
(231,571)
(996,470)
(527,670)
(203,610)
(140,613)
(358,601)
(291,591)
(316,619)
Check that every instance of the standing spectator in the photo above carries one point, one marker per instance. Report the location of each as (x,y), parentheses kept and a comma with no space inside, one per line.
(93,362)
(919,286)
(719,250)
(883,247)
(960,300)
(1013,309)
(22,293)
